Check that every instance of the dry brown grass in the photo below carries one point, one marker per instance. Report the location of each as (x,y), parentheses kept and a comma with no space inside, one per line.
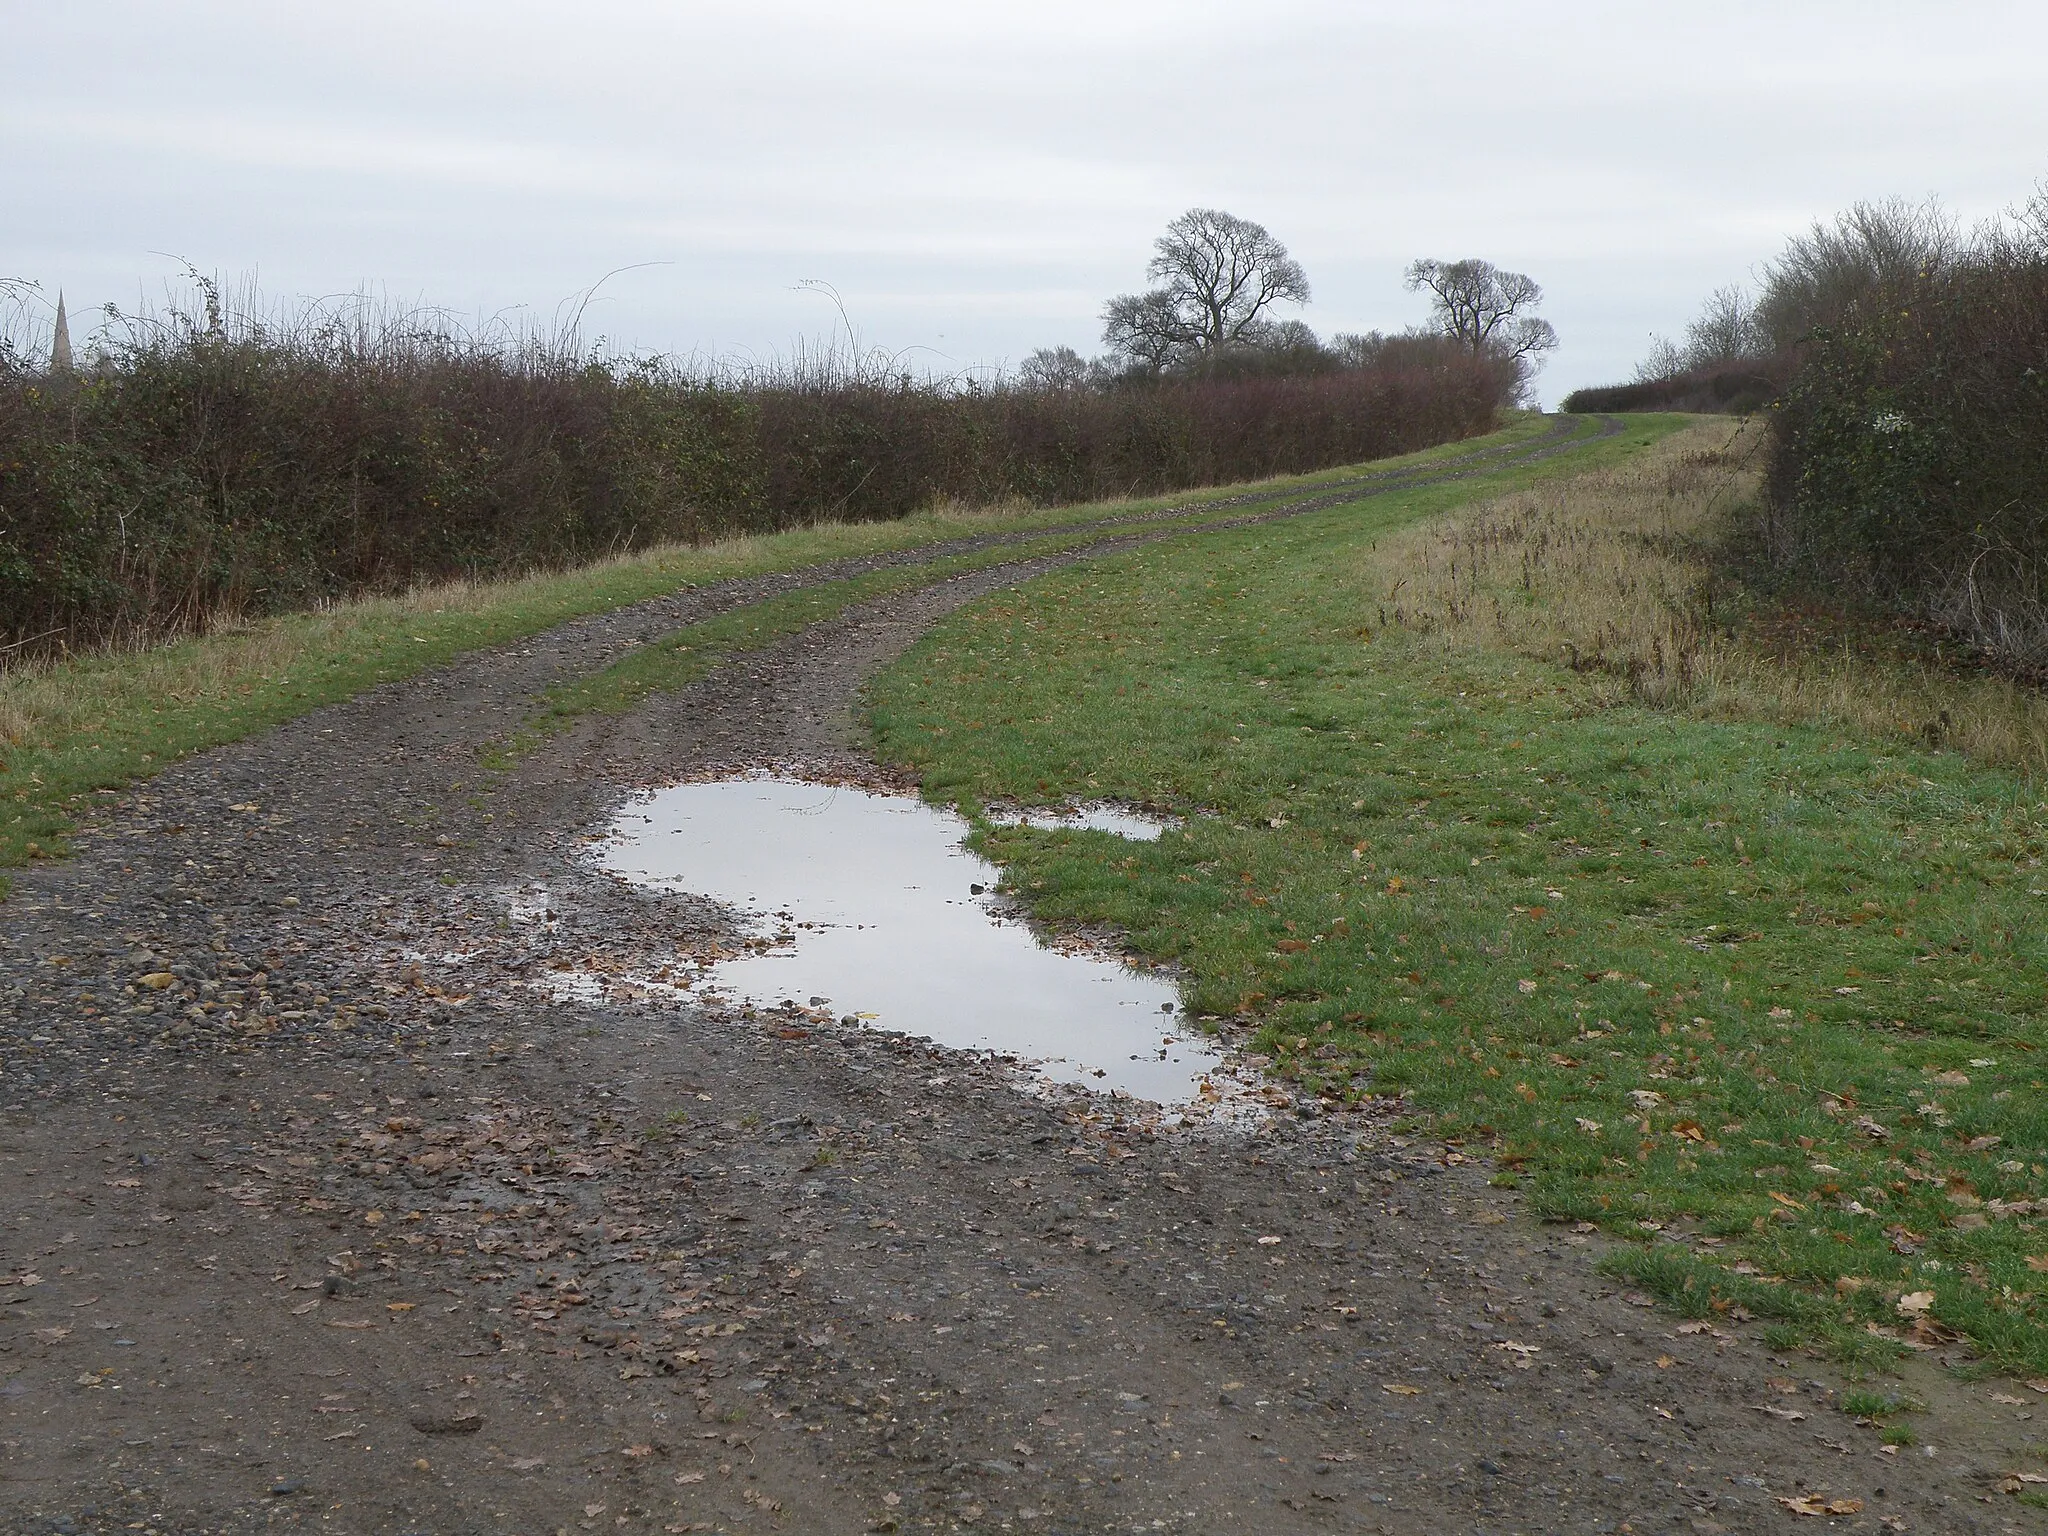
(1611,574)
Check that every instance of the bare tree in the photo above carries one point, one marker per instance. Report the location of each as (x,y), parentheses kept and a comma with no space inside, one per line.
(1051,368)
(1666,360)
(1217,277)
(1825,271)
(1485,309)
(1726,331)
(1145,331)
(1489,314)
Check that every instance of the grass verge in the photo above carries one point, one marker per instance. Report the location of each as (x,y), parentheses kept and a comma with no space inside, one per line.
(1758,992)
(93,723)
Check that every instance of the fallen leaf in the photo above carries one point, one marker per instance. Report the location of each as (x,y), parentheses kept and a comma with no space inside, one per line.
(528,1463)
(351,1322)
(1590,1127)
(689,1477)
(1267,1242)
(1927,1333)
(1915,1303)
(1814,1504)
(2007,1397)
(305,1306)
(1401,1389)
(52,1335)
(400,1306)
(1524,1353)
(1789,1415)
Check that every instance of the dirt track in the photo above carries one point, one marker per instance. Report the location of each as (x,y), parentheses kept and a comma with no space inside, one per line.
(347,1225)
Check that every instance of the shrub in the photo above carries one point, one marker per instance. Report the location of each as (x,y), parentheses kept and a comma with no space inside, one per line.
(1734,389)
(1910,456)
(207,465)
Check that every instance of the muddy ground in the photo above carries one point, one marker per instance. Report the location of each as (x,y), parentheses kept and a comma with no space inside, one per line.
(318,1210)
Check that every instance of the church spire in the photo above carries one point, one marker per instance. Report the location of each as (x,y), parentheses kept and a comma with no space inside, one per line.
(60,343)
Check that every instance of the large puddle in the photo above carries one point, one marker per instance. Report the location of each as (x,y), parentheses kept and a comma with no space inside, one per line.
(877,911)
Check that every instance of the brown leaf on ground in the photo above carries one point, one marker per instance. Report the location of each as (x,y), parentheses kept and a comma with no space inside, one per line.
(1814,1504)
(1927,1332)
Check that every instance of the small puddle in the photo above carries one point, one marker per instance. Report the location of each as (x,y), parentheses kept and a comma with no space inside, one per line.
(879,912)
(1133,825)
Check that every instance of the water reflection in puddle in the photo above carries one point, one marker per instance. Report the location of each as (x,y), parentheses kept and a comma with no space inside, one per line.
(1134,825)
(881,899)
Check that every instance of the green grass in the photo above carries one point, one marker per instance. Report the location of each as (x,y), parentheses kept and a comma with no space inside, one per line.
(687,654)
(1763,1002)
(95,724)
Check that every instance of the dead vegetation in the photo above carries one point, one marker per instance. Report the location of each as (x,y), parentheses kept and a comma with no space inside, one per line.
(1615,575)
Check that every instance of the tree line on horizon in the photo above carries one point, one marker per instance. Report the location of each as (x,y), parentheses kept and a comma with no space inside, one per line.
(1212,312)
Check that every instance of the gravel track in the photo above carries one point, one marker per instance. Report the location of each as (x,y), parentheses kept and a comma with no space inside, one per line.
(321,1210)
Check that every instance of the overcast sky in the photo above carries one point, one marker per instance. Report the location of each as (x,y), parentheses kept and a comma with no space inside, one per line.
(976,179)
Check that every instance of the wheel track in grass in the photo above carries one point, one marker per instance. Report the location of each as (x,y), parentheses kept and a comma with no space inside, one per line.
(458,1265)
